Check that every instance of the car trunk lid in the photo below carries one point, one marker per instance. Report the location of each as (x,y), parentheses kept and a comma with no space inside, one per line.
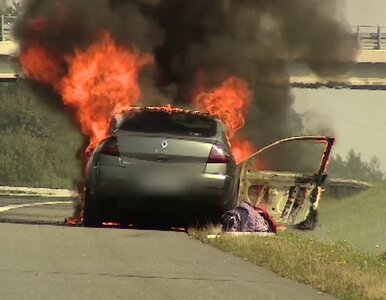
(164,152)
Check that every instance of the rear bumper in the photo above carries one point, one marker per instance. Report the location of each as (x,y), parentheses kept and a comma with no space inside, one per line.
(112,182)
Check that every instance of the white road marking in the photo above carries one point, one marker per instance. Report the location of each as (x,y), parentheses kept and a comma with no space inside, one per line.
(9,207)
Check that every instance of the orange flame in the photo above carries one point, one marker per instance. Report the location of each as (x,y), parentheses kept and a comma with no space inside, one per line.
(101,80)
(230,103)
(242,149)
(40,65)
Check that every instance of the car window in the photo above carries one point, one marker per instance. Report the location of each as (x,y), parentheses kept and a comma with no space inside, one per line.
(169,123)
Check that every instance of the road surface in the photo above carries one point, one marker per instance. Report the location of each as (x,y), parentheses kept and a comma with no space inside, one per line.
(42,258)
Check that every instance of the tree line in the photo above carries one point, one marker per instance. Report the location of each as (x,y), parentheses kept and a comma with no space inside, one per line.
(353,167)
(38,145)
(9,8)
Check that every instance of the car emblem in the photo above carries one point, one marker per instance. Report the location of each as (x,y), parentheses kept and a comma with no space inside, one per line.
(164,144)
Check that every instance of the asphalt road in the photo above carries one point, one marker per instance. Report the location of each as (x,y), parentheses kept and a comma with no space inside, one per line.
(42,258)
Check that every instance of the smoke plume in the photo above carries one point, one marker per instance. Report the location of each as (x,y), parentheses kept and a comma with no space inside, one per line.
(204,41)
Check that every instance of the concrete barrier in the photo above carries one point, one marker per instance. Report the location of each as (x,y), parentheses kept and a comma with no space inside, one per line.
(341,188)
(36,192)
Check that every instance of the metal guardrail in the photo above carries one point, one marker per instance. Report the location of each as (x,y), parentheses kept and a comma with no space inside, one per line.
(370,37)
(341,188)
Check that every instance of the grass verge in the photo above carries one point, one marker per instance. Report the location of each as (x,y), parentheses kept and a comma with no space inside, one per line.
(334,268)
(360,220)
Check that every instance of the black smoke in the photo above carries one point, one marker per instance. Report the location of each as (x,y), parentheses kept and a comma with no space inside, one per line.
(252,39)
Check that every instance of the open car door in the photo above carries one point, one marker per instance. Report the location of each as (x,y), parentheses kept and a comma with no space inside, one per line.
(286,179)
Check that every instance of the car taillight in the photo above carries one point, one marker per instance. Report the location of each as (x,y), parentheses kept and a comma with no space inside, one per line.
(218,155)
(110,147)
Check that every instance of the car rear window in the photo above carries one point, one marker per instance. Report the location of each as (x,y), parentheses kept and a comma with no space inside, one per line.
(182,124)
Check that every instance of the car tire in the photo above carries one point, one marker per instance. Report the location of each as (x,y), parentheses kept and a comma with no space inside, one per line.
(92,211)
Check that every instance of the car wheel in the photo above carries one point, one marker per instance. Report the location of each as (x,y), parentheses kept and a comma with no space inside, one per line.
(92,212)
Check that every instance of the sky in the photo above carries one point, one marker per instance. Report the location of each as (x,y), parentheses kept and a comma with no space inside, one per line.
(365,11)
(358,118)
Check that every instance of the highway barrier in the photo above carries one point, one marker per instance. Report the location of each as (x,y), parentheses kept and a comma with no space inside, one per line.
(36,192)
(341,188)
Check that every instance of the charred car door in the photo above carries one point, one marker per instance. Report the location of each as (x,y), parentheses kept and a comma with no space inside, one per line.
(283,179)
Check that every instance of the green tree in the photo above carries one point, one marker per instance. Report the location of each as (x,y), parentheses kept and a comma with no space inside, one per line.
(353,167)
(13,9)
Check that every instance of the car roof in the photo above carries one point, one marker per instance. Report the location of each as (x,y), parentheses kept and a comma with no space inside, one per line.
(167,109)
(120,116)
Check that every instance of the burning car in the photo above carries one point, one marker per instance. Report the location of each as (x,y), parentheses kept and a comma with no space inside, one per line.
(167,160)
(160,160)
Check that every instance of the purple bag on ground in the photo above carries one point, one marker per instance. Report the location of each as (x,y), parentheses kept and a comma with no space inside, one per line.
(245,218)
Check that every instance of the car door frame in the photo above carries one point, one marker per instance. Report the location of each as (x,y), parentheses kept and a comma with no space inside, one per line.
(313,195)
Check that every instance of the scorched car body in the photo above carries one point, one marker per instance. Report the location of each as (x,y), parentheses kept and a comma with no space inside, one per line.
(160,161)
(292,199)
(178,163)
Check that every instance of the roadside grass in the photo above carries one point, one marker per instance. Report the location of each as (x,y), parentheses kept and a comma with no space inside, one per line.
(334,268)
(345,256)
(360,220)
